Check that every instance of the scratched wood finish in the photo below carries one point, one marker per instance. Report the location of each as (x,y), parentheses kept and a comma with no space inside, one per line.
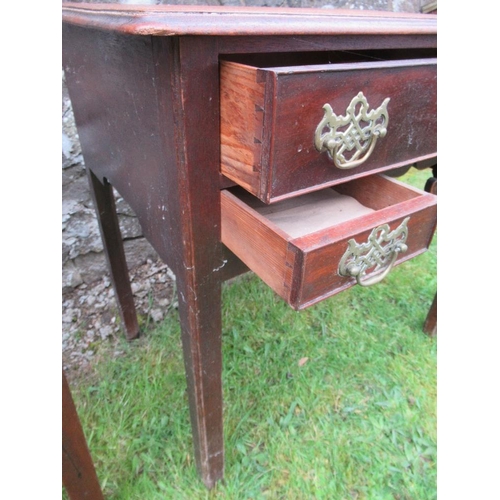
(169,20)
(271,151)
(192,169)
(303,270)
(78,473)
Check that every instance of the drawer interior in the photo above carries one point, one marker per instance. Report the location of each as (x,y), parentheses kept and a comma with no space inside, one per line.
(320,210)
(313,212)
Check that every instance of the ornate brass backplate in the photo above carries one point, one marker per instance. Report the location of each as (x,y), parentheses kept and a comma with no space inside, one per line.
(350,139)
(378,254)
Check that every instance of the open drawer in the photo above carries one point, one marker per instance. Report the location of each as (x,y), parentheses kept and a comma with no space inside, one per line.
(287,130)
(313,246)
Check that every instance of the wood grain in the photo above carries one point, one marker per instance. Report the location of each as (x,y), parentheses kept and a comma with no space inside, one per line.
(113,84)
(318,275)
(242,124)
(136,101)
(191,168)
(251,44)
(265,251)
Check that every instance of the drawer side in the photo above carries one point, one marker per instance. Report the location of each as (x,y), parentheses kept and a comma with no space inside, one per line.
(241,116)
(259,244)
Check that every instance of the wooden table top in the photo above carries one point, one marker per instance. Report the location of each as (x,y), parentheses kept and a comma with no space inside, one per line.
(171,20)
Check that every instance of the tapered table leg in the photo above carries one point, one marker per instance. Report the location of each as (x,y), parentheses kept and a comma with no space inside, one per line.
(199,310)
(104,202)
(78,472)
(200,250)
(191,166)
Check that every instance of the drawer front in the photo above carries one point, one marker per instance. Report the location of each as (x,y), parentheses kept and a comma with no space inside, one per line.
(389,224)
(286,131)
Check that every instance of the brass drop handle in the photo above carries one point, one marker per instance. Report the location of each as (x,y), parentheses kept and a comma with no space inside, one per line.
(379,252)
(355,270)
(349,140)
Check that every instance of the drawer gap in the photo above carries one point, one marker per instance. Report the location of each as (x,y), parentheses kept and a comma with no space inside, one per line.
(280,59)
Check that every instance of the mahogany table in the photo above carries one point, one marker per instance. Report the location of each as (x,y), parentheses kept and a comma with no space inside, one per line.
(175,105)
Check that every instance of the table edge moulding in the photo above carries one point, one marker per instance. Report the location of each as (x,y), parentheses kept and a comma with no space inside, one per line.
(145,86)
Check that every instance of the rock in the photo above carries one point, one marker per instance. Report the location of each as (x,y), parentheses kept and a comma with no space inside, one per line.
(68,316)
(71,276)
(105,332)
(156,315)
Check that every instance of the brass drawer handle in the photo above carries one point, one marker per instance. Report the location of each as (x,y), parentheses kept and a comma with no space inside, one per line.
(350,139)
(379,253)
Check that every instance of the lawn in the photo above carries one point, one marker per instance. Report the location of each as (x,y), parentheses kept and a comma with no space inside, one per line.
(335,402)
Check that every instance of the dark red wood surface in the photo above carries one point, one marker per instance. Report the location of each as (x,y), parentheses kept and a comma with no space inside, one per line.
(316,281)
(136,108)
(430,325)
(411,132)
(192,170)
(78,473)
(104,202)
(113,85)
(169,20)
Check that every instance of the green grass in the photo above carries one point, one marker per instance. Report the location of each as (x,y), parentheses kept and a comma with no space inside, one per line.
(356,421)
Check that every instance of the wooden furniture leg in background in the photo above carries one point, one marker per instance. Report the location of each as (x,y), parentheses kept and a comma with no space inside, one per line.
(430,325)
(104,202)
(78,472)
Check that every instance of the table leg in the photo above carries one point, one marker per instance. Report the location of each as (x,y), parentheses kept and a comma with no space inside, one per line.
(199,310)
(191,231)
(199,275)
(430,325)
(78,472)
(104,202)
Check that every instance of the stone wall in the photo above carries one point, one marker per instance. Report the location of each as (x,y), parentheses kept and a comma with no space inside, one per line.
(82,253)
